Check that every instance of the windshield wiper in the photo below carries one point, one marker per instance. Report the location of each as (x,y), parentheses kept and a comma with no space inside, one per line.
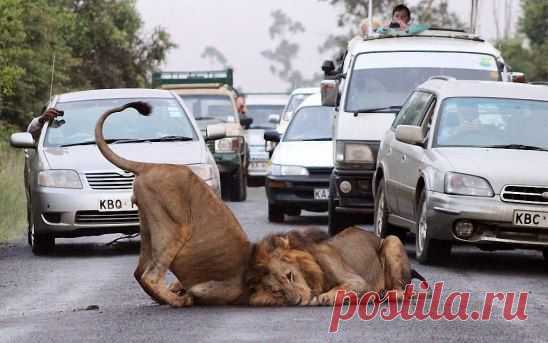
(210,118)
(325,139)
(516,146)
(171,139)
(379,109)
(79,143)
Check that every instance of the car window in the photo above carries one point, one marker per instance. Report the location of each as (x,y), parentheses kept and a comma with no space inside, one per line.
(380,80)
(294,101)
(260,114)
(77,125)
(219,107)
(482,122)
(414,109)
(311,123)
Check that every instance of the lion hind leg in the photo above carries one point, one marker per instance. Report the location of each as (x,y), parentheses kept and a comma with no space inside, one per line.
(163,250)
(397,269)
(217,292)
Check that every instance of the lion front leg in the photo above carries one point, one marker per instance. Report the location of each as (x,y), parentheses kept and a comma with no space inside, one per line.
(397,269)
(217,292)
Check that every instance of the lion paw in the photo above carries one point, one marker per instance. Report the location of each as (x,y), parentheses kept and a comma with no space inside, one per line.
(326,299)
(177,288)
(183,301)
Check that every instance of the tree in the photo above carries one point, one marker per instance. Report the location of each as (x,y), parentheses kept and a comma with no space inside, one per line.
(286,51)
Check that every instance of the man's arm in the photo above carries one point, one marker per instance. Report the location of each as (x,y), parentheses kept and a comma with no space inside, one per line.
(36,124)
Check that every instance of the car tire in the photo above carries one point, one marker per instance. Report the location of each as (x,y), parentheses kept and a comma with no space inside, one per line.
(382,227)
(336,222)
(41,243)
(275,213)
(238,187)
(427,249)
(545,255)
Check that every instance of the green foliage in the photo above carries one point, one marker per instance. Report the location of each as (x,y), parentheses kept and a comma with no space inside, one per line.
(527,51)
(96,44)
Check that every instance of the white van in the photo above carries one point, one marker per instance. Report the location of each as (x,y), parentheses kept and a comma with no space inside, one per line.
(377,76)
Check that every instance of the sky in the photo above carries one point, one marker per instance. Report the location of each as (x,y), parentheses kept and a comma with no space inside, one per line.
(239,29)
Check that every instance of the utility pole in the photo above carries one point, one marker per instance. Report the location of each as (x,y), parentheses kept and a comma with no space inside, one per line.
(474,9)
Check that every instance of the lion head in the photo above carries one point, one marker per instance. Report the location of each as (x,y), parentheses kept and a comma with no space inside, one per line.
(283,271)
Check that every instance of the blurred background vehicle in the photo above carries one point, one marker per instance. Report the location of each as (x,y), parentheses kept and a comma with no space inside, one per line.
(211,99)
(457,166)
(378,74)
(296,97)
(265,109)
(302,162)
(72,190)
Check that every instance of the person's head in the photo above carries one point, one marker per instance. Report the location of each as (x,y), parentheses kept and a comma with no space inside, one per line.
(240,103)
(401,14)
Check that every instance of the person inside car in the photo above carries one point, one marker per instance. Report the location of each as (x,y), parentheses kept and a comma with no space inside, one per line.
(36,124)
(401,16)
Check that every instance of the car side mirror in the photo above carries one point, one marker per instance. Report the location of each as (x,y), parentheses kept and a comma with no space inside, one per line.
(518,77)
(272,136)
(214,132)
(328,68)
(274,118)
(246,122)
(22,140)
(329,93)
(410,134)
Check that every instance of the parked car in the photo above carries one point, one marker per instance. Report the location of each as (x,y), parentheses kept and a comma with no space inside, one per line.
(301,163)
(72,190)
(295,100)
(265,109)
(466,161)
(211,99)
(377,75)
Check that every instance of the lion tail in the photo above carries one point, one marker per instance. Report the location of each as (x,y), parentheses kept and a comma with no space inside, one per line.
(132,166)
(415,275)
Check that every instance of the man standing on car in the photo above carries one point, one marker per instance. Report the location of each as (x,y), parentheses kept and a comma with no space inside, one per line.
(36,124)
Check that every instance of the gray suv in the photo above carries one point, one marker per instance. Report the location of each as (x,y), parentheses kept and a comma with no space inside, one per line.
(72,190)
(466,161)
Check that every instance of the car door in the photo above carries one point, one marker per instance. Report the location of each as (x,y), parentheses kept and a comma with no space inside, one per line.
(403,157)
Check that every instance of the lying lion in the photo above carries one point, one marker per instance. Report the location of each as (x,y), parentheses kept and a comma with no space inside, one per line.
(309,268)
(185,228)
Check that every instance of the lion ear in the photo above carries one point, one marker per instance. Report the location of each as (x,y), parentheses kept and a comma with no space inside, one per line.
(282,242)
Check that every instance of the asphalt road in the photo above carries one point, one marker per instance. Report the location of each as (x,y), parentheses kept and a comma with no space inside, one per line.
(85,292)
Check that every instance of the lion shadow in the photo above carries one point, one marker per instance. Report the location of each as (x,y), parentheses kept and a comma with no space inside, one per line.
(68,248)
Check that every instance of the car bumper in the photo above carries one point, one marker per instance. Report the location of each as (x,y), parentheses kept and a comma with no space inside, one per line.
(360,198)
(76,212)
(492,219)
(297,191)
(227,163)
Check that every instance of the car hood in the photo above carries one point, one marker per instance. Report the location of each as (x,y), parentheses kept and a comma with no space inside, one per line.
(89,158)
(499,166)
(255,137)
(306,154)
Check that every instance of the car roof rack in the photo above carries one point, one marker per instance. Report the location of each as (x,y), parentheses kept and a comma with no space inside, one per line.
(436,32)
(188,79)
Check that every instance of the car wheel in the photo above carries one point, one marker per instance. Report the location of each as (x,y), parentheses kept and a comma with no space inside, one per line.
(275,213)
(41,243)
(428,250)
(382,227)
(545,255)
(336,222)
(238,188)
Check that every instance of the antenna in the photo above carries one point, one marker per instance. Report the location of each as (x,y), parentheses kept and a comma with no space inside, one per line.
(370,14)
(52,75)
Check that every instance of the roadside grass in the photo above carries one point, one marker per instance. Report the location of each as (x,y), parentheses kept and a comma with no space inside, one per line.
(13,221)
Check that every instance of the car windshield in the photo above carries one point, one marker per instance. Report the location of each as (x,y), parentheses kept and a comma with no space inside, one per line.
(492,122)
(218,107)
(384,80)
(260,114)
(77,125)
(294,101)
(314,123)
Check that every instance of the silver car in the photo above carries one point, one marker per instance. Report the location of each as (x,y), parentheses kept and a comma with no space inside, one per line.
(466,161)
(72,190)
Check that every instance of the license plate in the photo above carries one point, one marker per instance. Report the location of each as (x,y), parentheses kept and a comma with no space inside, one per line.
(258,165)
(116,204)
(321,193)
(531,218)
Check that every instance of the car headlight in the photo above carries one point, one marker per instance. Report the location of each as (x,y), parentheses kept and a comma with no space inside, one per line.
(347,152)
(284,170)
(204,171)
(59,179)
(464,184)
(226,145)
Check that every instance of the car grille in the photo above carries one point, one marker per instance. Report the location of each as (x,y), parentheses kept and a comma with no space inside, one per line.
(96,217)
(525,194)
(108,181)
(320,171)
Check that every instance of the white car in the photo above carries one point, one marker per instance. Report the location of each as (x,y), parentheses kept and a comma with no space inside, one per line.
(295,100)
(265,109)
(302,162)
